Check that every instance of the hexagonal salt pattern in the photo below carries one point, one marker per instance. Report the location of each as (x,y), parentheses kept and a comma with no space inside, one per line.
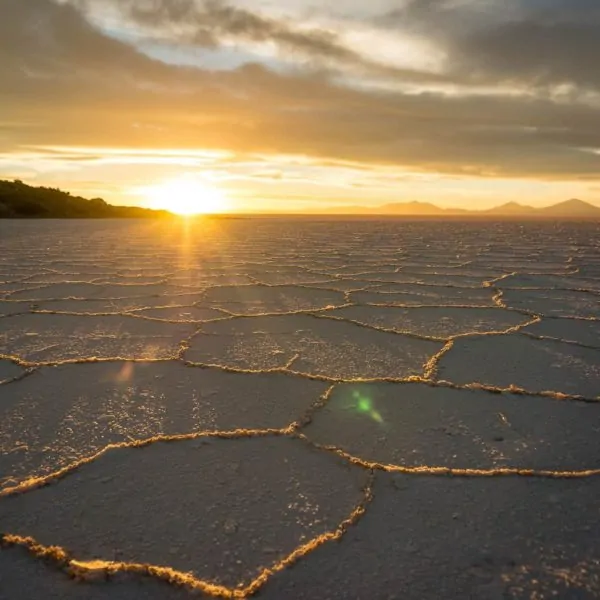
(440,537)
(414,425)
(311,346)
(56,338)
(531,364)
(22,577)
(430,321)
(173,422)
(45,424)
(221,509)
(10,371)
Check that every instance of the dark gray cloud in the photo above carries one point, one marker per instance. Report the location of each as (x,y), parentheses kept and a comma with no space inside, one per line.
(207,21)
(534,52)
(536,42)
(68,84)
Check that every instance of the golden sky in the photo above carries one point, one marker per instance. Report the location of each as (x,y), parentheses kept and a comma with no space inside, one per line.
(293,105)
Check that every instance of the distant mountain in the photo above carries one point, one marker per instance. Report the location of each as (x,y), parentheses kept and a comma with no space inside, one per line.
(569,209)
(395,208)
(511,208)
(418,208)
(411,208)
(21,201)
(572,208)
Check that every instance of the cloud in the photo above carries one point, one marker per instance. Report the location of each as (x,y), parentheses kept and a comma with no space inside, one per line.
(535,52)
(537,42)
(68,84)
(210,23)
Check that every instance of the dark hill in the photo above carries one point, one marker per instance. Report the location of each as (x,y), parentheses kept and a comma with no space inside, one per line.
(21,201)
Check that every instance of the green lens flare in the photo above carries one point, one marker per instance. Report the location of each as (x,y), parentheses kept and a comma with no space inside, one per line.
(376,417)
(364,405)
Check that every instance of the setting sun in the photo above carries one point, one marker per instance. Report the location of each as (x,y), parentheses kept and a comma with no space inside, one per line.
(186,196)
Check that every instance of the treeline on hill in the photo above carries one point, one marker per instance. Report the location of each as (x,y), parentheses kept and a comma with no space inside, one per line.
(21,201)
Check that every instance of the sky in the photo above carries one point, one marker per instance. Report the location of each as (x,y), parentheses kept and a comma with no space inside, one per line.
(297,104)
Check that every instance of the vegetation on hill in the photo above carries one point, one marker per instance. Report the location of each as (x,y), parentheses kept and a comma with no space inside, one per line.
(21,201)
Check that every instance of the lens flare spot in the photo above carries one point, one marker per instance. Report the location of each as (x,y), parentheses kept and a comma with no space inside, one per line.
(126,373)
(364,405)
(376,417)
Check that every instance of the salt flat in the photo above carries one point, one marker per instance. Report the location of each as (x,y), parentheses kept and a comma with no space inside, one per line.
(299,409)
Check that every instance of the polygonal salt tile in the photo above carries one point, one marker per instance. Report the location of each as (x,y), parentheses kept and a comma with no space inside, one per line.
(55,278)
(525,266)
(9,370)
(316,346)
(86,307)
(375,275)
(15,273)
(560,303)
(415,424)
(430,321)
(271,276)
(182,313)
(115,305)
(572,330)
(398,293)
(51,337)
(13,308)
(357,270)
(140,272)
(220,509)
(461,281)
(25,576)
(57,291)
(340,285)
(534,365)
(96,291)
(207,279)
(251,300)
(557,282)
(129,279)
(437,537)
(60,414)
(588,268)
(81,271)
(10,289)
(169,294)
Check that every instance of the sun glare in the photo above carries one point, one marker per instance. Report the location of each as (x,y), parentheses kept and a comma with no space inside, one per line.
(187,196)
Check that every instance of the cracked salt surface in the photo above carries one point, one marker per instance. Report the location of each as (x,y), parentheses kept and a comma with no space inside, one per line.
(432,538)
(318,347)
(39,579)
(554,302)
(584,332)
(424,295)
(432,321)
(530,364)
(55,338)
(199,408)
(247,503)
(414,425)
(48,425)
(9,371)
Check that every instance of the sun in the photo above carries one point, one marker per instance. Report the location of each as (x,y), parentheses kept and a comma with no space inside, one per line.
(187,196)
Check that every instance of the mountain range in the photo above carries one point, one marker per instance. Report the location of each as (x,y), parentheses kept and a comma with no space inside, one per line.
(568,209)
(18,200)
